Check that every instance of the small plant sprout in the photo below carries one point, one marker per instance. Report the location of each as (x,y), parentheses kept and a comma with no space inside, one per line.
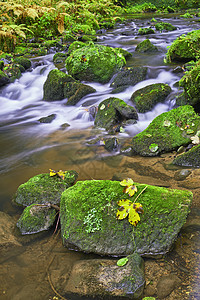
(122,261)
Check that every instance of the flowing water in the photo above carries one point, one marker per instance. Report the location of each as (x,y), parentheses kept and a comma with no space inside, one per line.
(29,147)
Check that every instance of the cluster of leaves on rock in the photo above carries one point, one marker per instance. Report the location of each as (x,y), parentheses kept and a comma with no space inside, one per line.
(128,208)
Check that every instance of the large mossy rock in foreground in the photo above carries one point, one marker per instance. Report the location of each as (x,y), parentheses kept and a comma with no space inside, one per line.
(44,188)
(107,278)
(185,47)
(92,62)
(114,111)
(167,132)
(88,218)
(146,98)
(189,159)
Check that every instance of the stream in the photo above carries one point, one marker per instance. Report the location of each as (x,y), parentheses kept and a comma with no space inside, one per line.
(29,147)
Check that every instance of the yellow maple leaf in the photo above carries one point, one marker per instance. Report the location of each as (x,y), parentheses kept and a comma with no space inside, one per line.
(130,190)
(130,209)
(60,173)
(52,172)
(127,182)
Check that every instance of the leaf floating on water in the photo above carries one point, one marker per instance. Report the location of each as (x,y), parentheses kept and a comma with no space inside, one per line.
(122,262)
(153,147)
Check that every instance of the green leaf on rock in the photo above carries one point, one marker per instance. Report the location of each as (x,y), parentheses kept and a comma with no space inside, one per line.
(122,262)
(153,147)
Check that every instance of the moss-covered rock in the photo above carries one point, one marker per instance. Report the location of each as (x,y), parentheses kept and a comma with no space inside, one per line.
(131,76)
(144,31)
(185,47)
(189,159)
(44,188)
(146,98)
(111,144)
(23,61)
(88,218)
(94,62)
(108,279)
(164,26)
(59,57)
(12,71)
(75,90)
(36,218)
(146,46)
(113,111)
(167,132)
(191,84)
(54,85)
(4,79)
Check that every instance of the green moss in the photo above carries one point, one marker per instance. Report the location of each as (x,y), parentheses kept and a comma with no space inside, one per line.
(146,46)
(75,91)
(168,131)
(185,47)
(36,218)
(146,98)
(88,218)
(143,31)
(44,189)
(191,84)
(164,26)
(189,159)
(94,62)
(4,79)
(23,61)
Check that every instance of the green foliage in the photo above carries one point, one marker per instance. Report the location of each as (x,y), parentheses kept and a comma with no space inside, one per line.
(122,261)
(92,221)
(164,26)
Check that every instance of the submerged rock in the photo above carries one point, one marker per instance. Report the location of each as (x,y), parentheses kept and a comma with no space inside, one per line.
(36,218)
(88,218)
(189,159)
(47,119)
(113,111)
(107,278)
(146,98)
(146,46)
(167,132)
(44,188)
(131,76)
(7,238)
(185,47)
(164,26)
(143,31)
(93,62)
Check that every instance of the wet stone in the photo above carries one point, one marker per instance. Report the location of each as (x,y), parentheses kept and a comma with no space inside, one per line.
(166,285)
(181,175)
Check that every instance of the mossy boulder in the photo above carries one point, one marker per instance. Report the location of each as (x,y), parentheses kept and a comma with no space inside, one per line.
(146,98)
(146,46)
(191,84)
(108,279)
(130,76)
(75,91)
(54,85)
(164,26)
(144,31)
(43,188)
(13,72)
(88,218)
(113,111)
(4,79)
(184,48)
(59,57)
(36,218)
(94,62)
(167,132)
(23,61)
(190,158)
(60,85)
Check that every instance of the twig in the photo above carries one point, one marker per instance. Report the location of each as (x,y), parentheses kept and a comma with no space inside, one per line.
(50,282)
(140,193)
